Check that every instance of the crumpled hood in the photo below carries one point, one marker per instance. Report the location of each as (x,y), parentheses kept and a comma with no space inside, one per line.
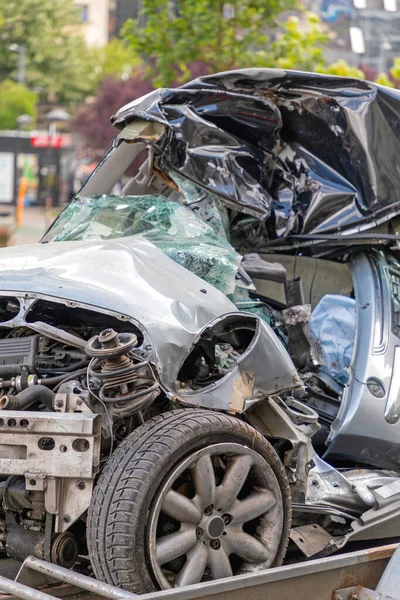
(129,276)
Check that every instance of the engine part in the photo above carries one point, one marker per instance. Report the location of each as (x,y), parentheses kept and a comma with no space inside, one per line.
(127,386)
(110,345)
(13,496)
(21,401)
(58,454)
(64,550)
(22,542)
(17,355)
(36,442)
(58,358)
(56,381)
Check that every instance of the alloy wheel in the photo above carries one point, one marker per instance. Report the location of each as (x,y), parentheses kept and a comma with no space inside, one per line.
(219,513)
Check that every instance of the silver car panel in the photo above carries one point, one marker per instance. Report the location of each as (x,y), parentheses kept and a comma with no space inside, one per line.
(367,427)
(132,279)
(264,369)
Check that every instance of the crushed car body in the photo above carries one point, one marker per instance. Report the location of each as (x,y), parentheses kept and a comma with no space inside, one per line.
(309,153)
(199,362)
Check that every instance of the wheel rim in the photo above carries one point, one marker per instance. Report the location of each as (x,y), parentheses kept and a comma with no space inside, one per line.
(219,513)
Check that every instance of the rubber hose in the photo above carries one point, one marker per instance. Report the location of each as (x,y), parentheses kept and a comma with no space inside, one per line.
(48,381)
(36,393)
(69,378)
(76,366)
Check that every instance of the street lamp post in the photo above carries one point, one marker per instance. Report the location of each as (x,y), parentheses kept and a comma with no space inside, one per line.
(58,115)
(21,51)
(384,48)
(24,121)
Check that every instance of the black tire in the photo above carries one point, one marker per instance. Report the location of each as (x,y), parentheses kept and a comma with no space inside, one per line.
(117,520)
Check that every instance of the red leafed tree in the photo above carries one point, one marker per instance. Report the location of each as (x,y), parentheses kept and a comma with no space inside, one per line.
(93,122)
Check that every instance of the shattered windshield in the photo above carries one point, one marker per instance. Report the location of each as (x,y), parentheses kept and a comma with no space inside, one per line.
(173,228)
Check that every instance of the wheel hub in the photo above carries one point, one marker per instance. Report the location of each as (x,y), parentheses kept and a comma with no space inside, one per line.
(216,527)
(211,528)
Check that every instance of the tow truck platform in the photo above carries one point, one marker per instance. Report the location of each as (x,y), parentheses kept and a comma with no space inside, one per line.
(371,574)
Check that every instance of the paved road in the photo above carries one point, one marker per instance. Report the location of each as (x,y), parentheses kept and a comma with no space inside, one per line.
(35,222)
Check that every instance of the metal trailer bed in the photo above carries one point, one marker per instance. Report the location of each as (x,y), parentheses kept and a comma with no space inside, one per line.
(372,574)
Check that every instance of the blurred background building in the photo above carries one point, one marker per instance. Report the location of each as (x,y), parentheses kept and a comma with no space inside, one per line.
(367,32)
(120,11)
(95,17)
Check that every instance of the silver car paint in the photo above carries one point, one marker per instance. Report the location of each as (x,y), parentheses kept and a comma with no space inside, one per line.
(136,280)
(264,369)
(374,364)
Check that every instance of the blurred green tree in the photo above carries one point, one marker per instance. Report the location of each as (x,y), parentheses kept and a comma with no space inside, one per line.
(15,100)
(219,34)
(117,60)
(384,79)
(58,62)
(341,68)
(224,36)
(395,70)
(392,78)
(299,44)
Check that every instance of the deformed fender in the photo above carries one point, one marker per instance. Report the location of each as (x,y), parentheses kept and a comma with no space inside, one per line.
(264,369)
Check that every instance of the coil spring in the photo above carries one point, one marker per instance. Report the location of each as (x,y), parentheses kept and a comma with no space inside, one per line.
(127,386)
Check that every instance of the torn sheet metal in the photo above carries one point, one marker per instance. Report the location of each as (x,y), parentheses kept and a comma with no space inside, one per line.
(264,369)
(300,153)
(311,539)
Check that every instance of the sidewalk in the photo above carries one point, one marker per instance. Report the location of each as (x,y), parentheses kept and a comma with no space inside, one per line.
(36,221)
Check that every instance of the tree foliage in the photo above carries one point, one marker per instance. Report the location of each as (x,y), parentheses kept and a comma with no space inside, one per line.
(392,78)
(384,79)
(299,44)
(15,100)
(59,64)
(247,35)
(93,122)
(58,61)
(341,68)
(220,35)
(115,59)
(395,70)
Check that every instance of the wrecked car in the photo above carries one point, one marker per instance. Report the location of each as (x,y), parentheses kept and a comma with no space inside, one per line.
(200,375)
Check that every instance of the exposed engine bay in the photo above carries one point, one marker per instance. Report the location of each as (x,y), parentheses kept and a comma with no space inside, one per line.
(65,367)
(88,364)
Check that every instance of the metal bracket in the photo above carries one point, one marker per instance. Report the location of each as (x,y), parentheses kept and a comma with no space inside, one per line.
(39,571)
(58,453)
(49,444)
(311,539)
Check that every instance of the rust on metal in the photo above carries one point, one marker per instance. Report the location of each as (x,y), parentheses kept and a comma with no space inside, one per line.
(380,552)
(369,570)
(243,389)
